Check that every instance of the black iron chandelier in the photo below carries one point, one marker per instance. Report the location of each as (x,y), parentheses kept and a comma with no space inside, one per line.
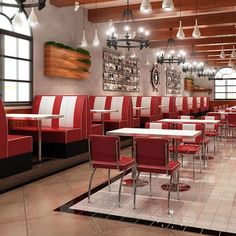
(169,56)
(193,67)
(129,38)
(210,73)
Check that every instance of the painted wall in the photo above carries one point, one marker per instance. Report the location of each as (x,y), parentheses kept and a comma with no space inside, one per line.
(65,25)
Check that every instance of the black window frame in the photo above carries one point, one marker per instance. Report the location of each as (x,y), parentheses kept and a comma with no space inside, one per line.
(4,32)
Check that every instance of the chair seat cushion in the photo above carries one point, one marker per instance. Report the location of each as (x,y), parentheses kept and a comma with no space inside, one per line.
(18,145)
(124,163)
(52,135)
(188,148)
(211,133)
(172,167)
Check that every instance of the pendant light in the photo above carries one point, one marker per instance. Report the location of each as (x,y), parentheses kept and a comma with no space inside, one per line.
(84,42)
(222,53)
(147,61)
(167,5)
(230,64)
(233,53)
(146,6)
(32,20)
(180,33)
(196,32)
(133,55)
(17,19)
(96,41)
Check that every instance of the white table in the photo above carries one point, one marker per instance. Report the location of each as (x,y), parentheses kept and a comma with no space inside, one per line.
(167,133)
(38,118)
(103,112)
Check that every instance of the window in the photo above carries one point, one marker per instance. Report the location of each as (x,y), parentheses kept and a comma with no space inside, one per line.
(15,58)
(225,87)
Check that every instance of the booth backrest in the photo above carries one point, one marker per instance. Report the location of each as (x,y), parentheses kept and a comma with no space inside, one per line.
(120,103)
(180,103)
(168,104)
(74,108)
(206,102)
(190,102)
(3,132)
(150,102)
(198,102)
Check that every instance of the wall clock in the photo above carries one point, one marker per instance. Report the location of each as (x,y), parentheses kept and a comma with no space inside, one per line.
(155,78)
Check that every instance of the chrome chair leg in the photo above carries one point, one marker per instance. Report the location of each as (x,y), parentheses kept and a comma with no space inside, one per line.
(121,181)
(135,190)
(150,184)
(169,193)
(178,184)
(109,180)
(90,183)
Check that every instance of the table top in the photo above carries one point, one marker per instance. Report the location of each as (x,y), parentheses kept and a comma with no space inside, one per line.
(14,116)
(190,121)
(168,133)
(103,110)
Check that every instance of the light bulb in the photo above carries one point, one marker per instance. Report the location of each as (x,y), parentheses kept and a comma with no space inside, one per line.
(196,32)
(180,33)
(231,64)
(222,54)
(146,6)
(141,30)
(147,33)
(126,28)
(233,53)
(76,6)
(32,20)
(84,42)
(96,41)
(17,20)
(168,5)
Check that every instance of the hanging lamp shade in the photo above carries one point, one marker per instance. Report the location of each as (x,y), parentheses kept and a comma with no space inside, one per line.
(233,53)
(230,64)
(17,20)
(96,41)
(146,6)
(196,32)
(222,53)
(180,33)
(32,20)
(84,42)
(167,5)
(147,61)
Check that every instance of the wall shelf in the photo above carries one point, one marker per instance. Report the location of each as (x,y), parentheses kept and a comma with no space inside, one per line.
(207,90)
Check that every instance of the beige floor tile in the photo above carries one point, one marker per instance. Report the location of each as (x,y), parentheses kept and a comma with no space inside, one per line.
(16,228)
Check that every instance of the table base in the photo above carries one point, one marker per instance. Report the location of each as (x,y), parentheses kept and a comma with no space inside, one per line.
(182,187)
(140,182)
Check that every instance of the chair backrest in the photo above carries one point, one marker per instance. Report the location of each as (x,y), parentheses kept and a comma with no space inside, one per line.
(3,132)
(232,118)
(191,127)
(217,116)
(185,117)
(208,117)
(104,150)
(146,152)
(156,125)
(210,127)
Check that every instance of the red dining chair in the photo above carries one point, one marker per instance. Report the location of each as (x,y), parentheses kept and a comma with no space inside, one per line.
(185,117)
(231,123)
(156,125)
(152,156)
(191,146)
(104,153)
(212,130)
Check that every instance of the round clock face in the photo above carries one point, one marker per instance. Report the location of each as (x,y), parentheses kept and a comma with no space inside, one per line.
(155,78)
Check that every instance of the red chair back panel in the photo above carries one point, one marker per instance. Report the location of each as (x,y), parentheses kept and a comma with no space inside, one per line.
(104,148)
(151,151)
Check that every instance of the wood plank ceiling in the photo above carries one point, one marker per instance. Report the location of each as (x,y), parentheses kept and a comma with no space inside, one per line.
(216,20)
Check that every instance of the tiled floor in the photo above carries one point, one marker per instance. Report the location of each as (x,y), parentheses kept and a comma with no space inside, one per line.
(29,210)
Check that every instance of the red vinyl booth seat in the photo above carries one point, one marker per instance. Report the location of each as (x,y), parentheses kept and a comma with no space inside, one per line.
(63,137)
(182,105)
(15,150)
(115,120)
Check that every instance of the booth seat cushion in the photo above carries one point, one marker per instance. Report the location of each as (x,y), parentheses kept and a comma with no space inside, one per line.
(18,145)
(96,129)
(51,134)
(136,122)
(115,124)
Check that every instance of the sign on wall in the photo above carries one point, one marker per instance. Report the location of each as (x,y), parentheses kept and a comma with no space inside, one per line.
(173,82)
(120,73)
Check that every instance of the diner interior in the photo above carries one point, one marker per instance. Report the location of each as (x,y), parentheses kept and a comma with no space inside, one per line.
(117,117)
